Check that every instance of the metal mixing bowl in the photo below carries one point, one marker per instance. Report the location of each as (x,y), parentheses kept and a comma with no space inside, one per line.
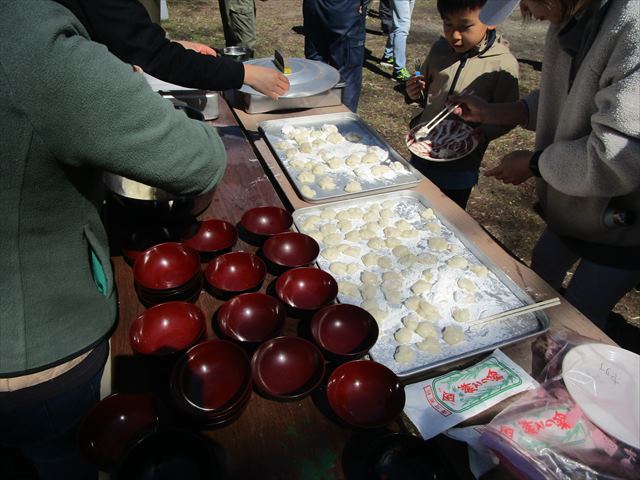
(138,199)
(239,54)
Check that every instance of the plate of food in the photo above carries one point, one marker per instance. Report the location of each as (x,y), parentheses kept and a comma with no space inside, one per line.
(449,140)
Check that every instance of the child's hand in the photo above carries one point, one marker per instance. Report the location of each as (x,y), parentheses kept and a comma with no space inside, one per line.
(470,108)
(415,86)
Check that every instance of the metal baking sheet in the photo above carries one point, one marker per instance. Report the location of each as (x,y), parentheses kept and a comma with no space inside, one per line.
(359,140)
(493,292)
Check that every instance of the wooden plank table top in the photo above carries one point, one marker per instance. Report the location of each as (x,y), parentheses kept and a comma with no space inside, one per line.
(271,439)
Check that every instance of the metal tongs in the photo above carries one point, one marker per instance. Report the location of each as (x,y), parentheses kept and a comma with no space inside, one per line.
(424,131)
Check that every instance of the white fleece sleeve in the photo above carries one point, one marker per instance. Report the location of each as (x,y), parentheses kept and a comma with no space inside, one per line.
(606,161)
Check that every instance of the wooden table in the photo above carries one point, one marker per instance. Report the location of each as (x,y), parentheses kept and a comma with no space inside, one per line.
(272,439)
(298,439)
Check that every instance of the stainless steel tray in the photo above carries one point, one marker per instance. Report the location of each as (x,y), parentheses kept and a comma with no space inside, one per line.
(495,292)
(360,139)
(262,104)
(205,102)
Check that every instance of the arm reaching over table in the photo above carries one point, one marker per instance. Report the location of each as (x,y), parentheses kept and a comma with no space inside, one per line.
(268,81)
(477,110)
(125,27)
(198,47)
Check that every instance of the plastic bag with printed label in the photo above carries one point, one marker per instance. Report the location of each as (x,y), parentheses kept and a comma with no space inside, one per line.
(546,435)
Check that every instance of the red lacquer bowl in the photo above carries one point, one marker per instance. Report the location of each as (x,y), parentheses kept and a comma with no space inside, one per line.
(115,424)
(135,242)
(344,330)
(291,249)
(306,288)
(166,266)
(235,272)
(251,317)
(214,376)
(166,328)
(266,221)
(211,236)
(287,367)
(365,394)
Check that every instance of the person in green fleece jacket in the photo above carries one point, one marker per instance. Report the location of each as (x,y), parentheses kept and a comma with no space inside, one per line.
(70,110)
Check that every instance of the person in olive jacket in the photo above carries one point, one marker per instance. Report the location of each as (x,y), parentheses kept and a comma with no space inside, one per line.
(70,110)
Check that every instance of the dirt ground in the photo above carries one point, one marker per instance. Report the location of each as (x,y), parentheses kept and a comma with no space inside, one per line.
(505,211)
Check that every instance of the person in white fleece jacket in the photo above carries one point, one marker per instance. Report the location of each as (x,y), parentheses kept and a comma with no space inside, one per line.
(586,115)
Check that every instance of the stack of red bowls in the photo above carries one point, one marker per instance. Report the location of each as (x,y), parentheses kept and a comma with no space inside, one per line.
(306,289)
(135,240)
(234,273)
(167,272)
(212,382)
(251,318)
(262,222)
(167,328)
(210,238)
(289,250)
(343,331)
(365,394)
(287,368)
(114,425)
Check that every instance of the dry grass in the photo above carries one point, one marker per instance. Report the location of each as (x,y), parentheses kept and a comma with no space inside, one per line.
(505,211)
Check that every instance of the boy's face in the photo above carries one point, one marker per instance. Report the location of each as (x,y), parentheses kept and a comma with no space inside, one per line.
(463,29)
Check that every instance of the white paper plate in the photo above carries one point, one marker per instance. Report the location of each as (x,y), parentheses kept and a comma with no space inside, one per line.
(605,382)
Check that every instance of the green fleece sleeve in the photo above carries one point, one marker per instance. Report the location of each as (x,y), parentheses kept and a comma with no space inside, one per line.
(92,111)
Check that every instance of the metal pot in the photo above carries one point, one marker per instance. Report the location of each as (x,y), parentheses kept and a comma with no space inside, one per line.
(313,84)
(239,54)
(136,199)
(140,200)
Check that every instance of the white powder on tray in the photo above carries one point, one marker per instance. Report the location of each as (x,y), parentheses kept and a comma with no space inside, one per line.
(393,256)
(325,163)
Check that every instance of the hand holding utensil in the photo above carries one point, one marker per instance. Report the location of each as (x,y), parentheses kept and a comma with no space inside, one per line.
(422,134)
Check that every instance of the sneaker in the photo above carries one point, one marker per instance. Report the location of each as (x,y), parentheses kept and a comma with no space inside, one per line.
(387,61)
(401,75)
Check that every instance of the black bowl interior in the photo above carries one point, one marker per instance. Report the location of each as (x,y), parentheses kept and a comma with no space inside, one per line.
(399,456)
(170,455)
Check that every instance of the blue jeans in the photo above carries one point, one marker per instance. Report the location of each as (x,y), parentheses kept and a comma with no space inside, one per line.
(594,289)
(345,53)
(46,431)
(397,39)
